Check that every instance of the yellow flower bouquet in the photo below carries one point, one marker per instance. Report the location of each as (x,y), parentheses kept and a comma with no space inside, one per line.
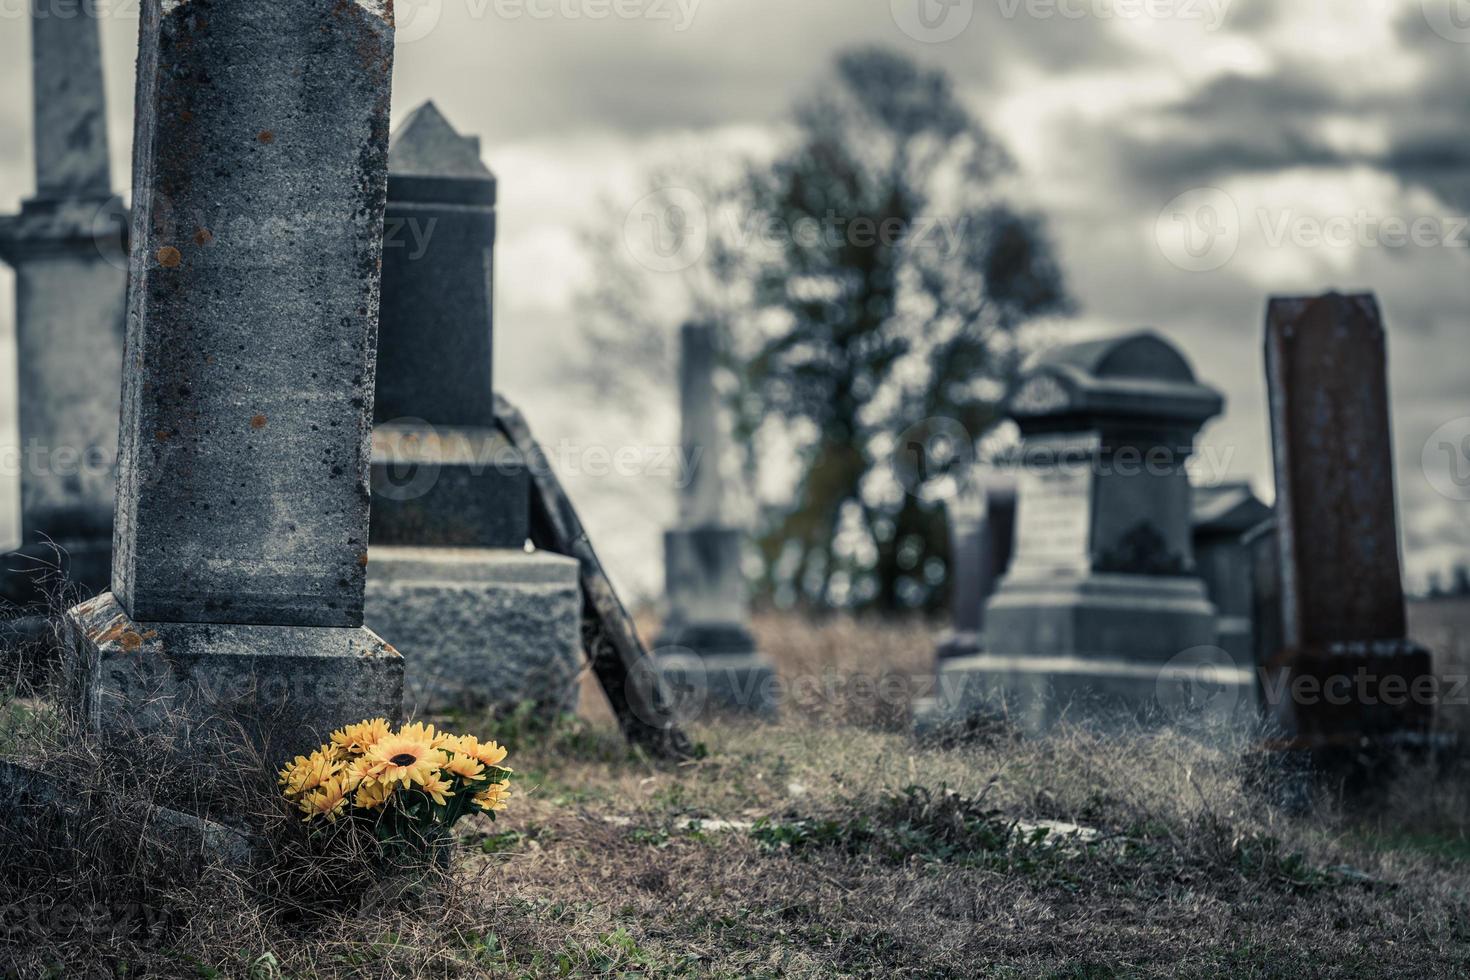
(411,786)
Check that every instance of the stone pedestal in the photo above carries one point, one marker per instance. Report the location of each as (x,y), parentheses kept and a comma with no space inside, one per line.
(274,687)
(1102,610)
(490,628)
(1224,517)
(71,287)
(482,624)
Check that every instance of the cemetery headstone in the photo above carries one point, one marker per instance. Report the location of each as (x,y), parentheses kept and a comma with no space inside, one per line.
(482,622)
(242,503)
(981,534)
(1345,674)
(71,288)
(1102,611)
(705,645)
(1223,515)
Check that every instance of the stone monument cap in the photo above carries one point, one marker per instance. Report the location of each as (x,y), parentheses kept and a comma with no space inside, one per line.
(428,160)
(1137,375)
(1227,508)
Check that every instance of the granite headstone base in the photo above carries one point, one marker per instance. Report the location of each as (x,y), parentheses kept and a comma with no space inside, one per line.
(716,668)
(1035,694)
(282,689)
(1095,648)
(480,628)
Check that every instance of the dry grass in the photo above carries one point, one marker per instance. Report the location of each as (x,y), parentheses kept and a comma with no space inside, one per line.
(832,863)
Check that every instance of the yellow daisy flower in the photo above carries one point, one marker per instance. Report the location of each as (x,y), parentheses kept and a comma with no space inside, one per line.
(491,754)
(328,801)
(465,767)
(308,772)
(357,739)
(437,788)
(372,795)
(494,796)
(403,758)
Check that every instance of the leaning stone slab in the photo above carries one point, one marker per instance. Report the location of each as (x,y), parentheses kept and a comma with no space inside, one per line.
(491,627)
(281,688)
(41,806)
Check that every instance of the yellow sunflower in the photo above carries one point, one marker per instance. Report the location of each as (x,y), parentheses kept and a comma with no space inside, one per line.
(438,788)
(357,739)
(308,772)
(405,758)
(494,796)
(465,767)
(328,801)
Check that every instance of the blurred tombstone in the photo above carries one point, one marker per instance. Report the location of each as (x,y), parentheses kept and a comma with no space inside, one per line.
(482,621)
(705,645)
(1345,677)
(71,286)
(1102,613)
(242,508)
(1222,518)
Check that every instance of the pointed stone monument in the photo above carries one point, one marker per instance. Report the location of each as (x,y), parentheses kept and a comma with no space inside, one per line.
(705,645)
(260,174)
(71,289)
(482,621)
(1345,678)
(1103,610)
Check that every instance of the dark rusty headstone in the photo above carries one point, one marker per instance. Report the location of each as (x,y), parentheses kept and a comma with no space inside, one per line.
(1342,598)
(260,173)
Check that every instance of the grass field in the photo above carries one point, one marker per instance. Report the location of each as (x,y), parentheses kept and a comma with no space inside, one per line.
(833,844)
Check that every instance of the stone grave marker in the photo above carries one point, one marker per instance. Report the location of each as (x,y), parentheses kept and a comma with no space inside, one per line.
(482,621)
(705,645)
(71,288)
(1222,518)
(1102,612)
(242,502)
(1345,674)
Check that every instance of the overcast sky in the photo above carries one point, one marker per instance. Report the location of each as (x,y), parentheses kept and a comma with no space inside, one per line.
(1296,143)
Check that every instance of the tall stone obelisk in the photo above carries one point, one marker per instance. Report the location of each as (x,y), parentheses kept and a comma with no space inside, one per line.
(260,172)
(71,290)
(705,643)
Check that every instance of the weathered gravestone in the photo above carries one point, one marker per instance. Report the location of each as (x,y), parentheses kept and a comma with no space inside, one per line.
(705,645)
(481,621)
(1102,610)
(1345,676)
(70,309)
(1223,517)
(242,503)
